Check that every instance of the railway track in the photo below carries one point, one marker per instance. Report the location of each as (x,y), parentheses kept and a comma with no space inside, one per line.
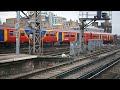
(85,70)
(47,51)
(61,67)
(110,72)
(99,70)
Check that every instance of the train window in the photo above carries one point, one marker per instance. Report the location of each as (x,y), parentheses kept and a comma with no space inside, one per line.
(22,34)
(52,33)
(1,29)
(96,37)
(1,32)
(66,35)
(72,35)
(47,33)
(104,36)
(12,33)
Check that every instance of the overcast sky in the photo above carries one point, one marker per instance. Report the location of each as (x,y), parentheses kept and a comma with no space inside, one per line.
(71,15)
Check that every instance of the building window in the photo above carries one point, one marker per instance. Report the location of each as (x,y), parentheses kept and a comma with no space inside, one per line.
(74,28)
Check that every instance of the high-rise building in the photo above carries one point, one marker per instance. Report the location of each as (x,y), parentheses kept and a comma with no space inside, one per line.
(54,19)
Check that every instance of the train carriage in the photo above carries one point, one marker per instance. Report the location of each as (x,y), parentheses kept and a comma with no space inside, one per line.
(51,36)
(8,36)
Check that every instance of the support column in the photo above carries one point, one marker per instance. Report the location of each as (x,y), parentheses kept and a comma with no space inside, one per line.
(18,34)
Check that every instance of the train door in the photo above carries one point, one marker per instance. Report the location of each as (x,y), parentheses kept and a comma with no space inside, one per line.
(101,36)
(1,35)
(78,36)
(90,35)
(108,37)
(22,36)
(60,37)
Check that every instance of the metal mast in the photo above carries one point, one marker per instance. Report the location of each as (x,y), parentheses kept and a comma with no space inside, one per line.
(108,24)
(18,33)
(91,16)
(36,48)
(35,23)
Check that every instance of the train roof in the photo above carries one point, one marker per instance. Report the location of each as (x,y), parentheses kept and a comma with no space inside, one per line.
(9,28)
(59,30)
(79,31)
(98,33)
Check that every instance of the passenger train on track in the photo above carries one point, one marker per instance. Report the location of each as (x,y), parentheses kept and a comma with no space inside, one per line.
(51,36)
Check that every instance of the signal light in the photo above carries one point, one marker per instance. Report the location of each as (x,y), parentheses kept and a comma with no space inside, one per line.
(104,15)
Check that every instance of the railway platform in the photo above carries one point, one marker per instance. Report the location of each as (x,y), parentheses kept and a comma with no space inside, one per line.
(11,64)
(4,58)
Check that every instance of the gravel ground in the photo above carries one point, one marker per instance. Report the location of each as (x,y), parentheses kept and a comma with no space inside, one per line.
(57,71)
(65,68)
(90,68)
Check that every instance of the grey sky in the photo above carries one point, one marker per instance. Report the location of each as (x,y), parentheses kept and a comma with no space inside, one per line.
(71,15)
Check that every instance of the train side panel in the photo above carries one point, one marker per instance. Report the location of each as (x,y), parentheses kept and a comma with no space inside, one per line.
(10,35)
(70,36)
(50,36)
(78,36)
(23,36)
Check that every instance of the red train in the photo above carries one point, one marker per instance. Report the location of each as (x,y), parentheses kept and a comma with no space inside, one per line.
(8,36)
(51,36)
